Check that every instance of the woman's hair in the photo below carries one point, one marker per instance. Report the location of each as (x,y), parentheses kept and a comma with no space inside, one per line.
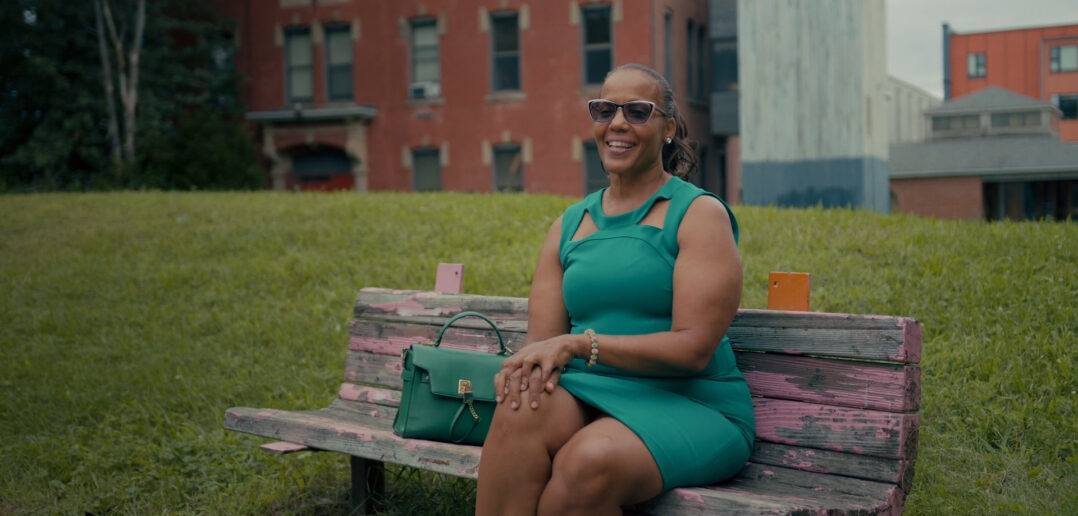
(678,156)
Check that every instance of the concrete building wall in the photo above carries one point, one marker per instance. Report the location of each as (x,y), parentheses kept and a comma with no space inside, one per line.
(908,104)
(813,109)
(957,197)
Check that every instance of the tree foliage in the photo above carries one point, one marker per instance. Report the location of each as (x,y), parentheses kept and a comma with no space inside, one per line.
(54,109)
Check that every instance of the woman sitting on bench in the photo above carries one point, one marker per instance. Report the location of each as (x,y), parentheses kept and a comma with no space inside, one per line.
(627,386)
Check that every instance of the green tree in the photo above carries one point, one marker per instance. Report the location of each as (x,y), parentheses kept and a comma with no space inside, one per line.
(188,120)
(51,106)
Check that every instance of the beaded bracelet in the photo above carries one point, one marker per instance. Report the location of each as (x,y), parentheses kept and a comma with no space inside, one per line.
(594,358)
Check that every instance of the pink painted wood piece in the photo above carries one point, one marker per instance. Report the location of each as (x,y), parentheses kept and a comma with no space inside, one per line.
(450,278)
(283,447)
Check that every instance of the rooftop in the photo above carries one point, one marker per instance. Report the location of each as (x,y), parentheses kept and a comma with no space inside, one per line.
(992,98)
(1027,157)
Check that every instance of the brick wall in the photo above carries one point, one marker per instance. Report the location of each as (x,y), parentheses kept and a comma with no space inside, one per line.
(945,197)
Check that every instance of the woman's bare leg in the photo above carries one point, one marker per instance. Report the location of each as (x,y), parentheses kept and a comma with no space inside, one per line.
(515,466)
(601,468)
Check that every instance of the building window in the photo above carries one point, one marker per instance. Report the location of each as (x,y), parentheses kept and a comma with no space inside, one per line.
(955,122)
(976,65)
(298,62)
(223,62)
(1020,119)
(1031,200)
(426,170)
(724,64)
(426,73)
(594,173)
(1068,104)
(598,51)
(701,61)
(668,55)
(505,51)
(339,62)
(508,169)
(1064,59)
(690,67)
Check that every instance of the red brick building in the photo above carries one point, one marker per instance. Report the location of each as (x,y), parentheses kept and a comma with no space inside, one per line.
(1038,62)
(470,95)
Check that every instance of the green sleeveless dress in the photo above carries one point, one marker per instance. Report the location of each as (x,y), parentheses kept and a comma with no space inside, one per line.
(619,281)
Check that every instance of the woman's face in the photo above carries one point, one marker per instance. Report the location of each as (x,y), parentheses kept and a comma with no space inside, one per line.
(632,148)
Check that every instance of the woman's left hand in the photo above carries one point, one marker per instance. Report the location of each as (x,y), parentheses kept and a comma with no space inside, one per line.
(535,368)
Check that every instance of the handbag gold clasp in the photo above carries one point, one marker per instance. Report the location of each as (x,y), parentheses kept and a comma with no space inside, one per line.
(464,386)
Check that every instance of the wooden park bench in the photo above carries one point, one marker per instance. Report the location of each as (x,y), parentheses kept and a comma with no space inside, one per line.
(836,399)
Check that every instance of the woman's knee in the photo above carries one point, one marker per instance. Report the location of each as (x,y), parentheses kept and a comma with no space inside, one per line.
(586,467)
(525,420)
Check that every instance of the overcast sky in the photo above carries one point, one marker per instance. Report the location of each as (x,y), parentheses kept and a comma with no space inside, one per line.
(915,30)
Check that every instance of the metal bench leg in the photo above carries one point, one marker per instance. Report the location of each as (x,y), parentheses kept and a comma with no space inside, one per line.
(368,485)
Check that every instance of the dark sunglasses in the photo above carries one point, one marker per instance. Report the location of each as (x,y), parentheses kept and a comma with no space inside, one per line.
(635,111)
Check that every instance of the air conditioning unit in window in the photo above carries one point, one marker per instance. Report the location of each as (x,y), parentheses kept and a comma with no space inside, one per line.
(425,90)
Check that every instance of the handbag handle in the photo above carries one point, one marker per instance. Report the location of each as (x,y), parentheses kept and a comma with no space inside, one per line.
(462,315)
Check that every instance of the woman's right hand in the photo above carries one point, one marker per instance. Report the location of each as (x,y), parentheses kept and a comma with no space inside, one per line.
(535,369)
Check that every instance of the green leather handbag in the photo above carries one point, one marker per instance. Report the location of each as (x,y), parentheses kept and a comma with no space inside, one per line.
(448,394)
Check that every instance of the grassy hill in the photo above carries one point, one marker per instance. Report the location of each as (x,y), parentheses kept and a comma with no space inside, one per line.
(130,321)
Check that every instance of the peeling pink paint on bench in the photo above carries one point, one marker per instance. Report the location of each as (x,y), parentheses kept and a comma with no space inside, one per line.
(912,340)
(411,307)
(691,496)
(384,345)
(472,471)
(415,444)
(354,392)
(793,460)
(870,432)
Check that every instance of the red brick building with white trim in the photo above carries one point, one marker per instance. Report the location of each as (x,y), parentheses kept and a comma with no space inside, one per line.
(471,95)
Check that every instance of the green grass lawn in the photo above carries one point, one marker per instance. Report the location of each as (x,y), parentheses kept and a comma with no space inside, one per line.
(129,322)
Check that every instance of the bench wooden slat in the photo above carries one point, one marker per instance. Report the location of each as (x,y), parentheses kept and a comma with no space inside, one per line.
(760,489)
(354,436)
(832,462)
(380,302)
(862,432)
(868,385)
(391,337)
(798,333)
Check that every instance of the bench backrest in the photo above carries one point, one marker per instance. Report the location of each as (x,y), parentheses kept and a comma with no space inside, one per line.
(833,393)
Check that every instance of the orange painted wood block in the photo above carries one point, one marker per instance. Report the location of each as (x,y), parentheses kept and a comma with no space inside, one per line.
(788,291)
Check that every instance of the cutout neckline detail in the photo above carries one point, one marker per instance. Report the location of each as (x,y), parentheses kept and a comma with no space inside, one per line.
(632,217)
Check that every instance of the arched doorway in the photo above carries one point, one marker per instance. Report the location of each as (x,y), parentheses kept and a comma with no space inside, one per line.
(323,168)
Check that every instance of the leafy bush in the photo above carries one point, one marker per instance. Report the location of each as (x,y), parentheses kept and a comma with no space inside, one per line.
(129,322)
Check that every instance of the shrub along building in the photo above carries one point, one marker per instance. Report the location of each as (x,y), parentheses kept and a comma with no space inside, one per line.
(488,95)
